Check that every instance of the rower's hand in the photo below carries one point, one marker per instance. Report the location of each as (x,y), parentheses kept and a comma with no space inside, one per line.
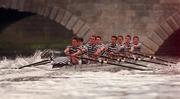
(96,54)
(73,55)
(111,53)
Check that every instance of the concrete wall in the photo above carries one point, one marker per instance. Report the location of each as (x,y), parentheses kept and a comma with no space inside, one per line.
(154,20)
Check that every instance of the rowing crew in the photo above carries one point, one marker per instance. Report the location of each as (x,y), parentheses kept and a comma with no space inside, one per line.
(94,48)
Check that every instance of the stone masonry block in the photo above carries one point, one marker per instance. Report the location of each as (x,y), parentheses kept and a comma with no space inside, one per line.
(172,23)
(176,18)
(66,18)
(42,10)
(60,15)
(77,26)
(54,12)
(167,28)
(39,9)
(156,38)
(83,30)
(88,34)
(149,43)
(71,22)
(161,33)
(47,11)
(146,50)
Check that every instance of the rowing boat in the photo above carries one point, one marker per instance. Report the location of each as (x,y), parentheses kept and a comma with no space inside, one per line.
(102,66)
(111,64)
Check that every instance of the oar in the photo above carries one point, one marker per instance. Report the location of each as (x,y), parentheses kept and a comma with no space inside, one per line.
(35,64)
(139,59)
(120,60)
(153,57)
(111,63)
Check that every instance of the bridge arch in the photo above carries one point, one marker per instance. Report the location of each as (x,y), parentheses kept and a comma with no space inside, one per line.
(58,14)
(157,37)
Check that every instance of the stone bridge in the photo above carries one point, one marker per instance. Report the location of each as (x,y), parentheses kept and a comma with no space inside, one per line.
(154,20)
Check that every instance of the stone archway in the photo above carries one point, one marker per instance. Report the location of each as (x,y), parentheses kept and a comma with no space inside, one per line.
(155,39)
(55,13)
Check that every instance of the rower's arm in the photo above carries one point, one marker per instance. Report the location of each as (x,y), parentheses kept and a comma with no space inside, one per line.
(138,45)
(106,47)
(99,50)
(135,47)
(77,53)
(132,49)
(66,51)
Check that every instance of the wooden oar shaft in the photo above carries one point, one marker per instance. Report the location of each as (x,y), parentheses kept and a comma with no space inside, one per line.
(113,64)
(144,60)
(37,63)
(123,61)
(154,62)
(153,57)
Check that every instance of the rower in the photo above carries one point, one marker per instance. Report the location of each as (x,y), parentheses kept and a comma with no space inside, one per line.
(91,47)
(100,46)
(127,45)
(73,51)
(121,46)
(83,50)
(112,47)
(81,45)
(136,45)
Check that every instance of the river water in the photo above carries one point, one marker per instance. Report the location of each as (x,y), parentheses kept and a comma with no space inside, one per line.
(44,83)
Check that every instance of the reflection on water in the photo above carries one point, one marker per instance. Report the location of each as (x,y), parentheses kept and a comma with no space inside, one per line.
(43,83)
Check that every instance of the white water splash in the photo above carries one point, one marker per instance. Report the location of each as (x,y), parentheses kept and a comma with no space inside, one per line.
(32,83)
(171,69)
(20,61)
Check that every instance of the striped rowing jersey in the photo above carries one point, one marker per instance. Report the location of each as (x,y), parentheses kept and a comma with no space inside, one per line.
(91,48)
(127,47)
(112,47)
(121,48)
(136,48)
(100,45)
(72,49)
(83,48)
